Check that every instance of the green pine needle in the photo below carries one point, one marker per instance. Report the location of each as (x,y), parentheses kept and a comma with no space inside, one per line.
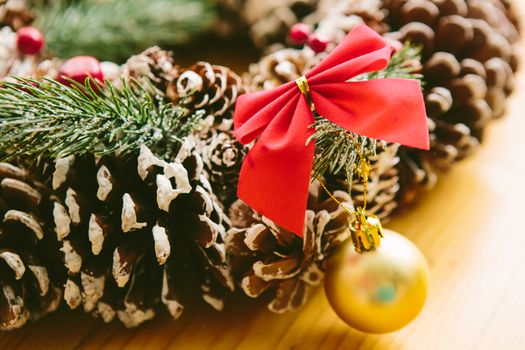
(49,120)
(336,149)
(116,29)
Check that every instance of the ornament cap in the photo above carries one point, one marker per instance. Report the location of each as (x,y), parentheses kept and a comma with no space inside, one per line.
(367,231)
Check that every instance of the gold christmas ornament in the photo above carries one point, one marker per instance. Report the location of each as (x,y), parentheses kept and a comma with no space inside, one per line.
(380,290)
(376,282)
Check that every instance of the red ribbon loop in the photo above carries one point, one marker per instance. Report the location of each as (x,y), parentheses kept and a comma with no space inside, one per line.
(276,173)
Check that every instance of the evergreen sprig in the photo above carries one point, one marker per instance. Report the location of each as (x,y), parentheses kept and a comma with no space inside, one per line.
(116,29)
(337,149)
(48,120)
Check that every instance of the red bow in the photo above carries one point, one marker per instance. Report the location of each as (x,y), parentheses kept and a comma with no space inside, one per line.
(275,175)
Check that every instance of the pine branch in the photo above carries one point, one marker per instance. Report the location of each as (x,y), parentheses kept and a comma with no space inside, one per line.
(116,29)
(336,149)
(404,64)
(49,120)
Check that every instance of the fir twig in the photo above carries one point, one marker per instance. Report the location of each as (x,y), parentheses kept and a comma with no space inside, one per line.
(336,149)
(47,119)
(116,29)
(404,64)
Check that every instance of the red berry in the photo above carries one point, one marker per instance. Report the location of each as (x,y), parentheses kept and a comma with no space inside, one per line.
(299,33)
(317,43)
(29,41)
(79,68)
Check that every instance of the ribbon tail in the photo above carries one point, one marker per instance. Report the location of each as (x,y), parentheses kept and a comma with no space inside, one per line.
(275,175)
(386,109)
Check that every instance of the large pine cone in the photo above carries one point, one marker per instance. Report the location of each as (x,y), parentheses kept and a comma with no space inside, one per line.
(30,281)
(271,262)
(131,228)
(469,59)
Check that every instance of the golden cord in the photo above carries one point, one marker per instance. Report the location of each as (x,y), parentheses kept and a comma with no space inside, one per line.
(366,229)
(364,171)
(351,212)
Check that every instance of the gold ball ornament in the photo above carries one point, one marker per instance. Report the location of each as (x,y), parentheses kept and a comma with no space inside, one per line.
(381,290)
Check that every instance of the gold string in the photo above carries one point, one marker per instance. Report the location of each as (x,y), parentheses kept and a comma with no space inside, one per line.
(364,171)
(351,212)
(366,230)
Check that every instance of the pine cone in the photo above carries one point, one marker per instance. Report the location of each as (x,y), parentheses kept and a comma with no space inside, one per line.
(223,157)
(267,21)
(278,68)
(152,65)
(207,87)
(29,277)
(131,227)
(203,86)
(382,187)
(270,261)
(334,19)
(469,59)
(15,14)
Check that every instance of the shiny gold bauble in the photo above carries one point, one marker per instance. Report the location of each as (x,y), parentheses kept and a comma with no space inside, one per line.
(381,290)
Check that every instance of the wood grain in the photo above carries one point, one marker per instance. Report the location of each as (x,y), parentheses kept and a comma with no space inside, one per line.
(469,228)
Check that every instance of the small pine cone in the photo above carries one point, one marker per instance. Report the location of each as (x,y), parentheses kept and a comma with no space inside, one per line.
(153,64)
(278,68)
(223,157)
(382,187)
(267,21)
(207,87)
(336,18)
(272,262)
(469,58)
(134,227)
(210,88)
(30,281)
(15,14)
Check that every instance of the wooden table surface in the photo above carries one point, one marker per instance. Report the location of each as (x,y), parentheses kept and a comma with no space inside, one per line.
(470,230)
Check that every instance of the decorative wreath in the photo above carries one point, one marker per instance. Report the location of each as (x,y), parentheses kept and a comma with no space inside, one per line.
(126,186)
